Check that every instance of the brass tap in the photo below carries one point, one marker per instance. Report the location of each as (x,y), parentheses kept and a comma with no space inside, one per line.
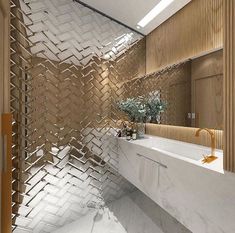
(211,157)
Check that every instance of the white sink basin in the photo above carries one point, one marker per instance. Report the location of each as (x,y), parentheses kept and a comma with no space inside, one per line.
(172,174)
(187,151)
(183,149)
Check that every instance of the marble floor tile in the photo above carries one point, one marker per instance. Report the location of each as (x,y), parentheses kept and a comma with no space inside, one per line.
(133,213)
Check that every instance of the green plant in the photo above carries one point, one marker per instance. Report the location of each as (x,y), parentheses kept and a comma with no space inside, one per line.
(135,108)
(154,106)
(141,108)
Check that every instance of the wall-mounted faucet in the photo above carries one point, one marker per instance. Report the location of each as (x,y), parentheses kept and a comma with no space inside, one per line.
(211,157)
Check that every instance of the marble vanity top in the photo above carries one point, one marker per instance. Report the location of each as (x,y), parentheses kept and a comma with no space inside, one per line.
(185,151)
(171,173)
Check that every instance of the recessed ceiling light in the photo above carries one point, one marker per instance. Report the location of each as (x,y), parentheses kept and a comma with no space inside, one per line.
(163,4)
(138,27)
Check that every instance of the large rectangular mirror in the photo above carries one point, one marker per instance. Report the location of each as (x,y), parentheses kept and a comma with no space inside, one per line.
(191,90)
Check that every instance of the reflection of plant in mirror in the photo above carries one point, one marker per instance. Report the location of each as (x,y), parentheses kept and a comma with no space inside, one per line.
(141,108)
(135,108)
(154,107)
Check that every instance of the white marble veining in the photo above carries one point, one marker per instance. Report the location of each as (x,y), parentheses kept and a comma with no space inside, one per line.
(133,213)
(201,197)
(186,151)
(139,214)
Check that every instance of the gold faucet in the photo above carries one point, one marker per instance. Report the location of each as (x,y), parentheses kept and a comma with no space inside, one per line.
(211,157)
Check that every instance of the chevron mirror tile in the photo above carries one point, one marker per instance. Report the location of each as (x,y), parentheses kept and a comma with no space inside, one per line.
(69,67)
(66,62)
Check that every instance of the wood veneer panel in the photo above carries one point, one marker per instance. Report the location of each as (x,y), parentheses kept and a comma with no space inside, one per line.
(209,102)
(196,28)
(229,85)
(5,172)
(207,90)
(185,134)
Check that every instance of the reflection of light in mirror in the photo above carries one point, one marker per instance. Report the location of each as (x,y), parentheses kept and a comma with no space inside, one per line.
(122,42)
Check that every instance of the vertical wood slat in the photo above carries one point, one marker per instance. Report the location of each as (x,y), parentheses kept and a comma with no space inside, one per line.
(5,53)
(196,28)
(185,134)
(229,85)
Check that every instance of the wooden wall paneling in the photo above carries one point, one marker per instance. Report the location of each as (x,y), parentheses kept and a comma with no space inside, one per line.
(1,105)
(5,172)
(178,110)
(207,90)
(229,85)
(5,52)
(208,95)
(208,65)
(185,134)
(196,28)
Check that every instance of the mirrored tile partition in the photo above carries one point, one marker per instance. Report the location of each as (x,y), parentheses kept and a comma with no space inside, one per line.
(69,66)
(65,64)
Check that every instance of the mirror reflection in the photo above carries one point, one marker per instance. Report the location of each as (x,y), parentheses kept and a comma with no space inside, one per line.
(186,94)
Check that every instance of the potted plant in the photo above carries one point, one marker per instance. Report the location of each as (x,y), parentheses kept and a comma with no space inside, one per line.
(154,107)
(135,108)
(141,108)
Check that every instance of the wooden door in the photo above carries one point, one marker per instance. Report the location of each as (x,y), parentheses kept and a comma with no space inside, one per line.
(209,102)
(207,91)
(5,121)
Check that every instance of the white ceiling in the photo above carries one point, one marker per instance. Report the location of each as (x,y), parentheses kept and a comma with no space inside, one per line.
(130,12)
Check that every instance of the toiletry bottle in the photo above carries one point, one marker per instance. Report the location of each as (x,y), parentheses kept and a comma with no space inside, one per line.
(128,134)
(134,134)
(119,133)
(124,130)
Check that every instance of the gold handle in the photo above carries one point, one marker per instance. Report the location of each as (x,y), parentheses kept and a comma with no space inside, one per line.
(7,140)
(4,153)
(6,175)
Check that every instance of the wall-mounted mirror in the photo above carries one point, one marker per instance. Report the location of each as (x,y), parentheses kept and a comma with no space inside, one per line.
(192,91)
(207,91)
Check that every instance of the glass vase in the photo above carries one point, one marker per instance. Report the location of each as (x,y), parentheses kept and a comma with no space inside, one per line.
(140,129)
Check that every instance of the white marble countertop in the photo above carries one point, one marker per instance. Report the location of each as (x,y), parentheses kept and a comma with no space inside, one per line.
(200,196)
(148,142)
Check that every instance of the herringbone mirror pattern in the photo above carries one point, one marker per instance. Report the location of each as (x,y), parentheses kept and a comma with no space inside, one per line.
(172,84)
(66,63)
(69,67)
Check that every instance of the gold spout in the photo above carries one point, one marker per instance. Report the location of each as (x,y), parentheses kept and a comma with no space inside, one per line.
(211,157)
